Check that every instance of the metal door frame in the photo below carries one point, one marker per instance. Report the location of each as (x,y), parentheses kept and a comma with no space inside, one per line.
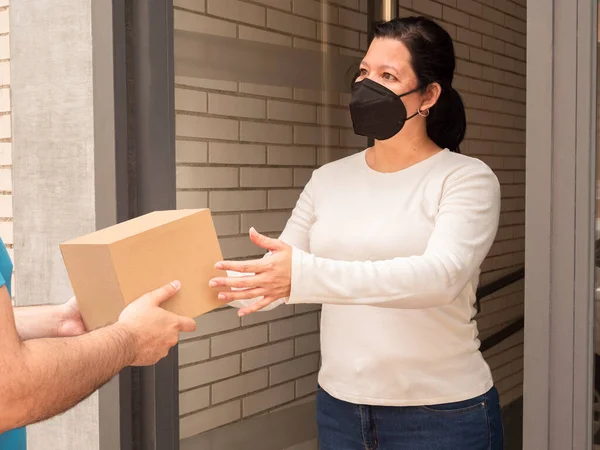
(560,211)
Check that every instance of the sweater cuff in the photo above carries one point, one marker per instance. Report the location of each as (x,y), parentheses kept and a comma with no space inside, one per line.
(297,283)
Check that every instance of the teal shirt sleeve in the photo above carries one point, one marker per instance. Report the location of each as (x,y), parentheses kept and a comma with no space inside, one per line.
(14,439)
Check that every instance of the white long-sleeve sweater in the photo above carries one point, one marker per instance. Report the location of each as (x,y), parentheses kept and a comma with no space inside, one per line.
(394,258)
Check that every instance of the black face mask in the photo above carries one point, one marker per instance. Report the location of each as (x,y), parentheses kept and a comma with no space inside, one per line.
(376,111)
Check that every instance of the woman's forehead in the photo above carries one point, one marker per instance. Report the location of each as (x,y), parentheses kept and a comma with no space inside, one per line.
(386,52)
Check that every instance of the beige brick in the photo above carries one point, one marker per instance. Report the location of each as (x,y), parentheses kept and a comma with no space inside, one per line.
(505,34)
(234,153)
(4,21)
(454,16)
(314,10)
(468,68)
(268,133)
(265,356)
(207,127)
(237,200)
(308,135)
(266,90)
(294,369)
(345,99)
(326,155)
(302,176)
(468,37)
(352,19)
(191,152)
(493,15)
(267,399)
(5,180)
(515,52)
(190,100)
(238,340)
(308,45)
(291,112)
(5,100)
(306,385)
(193,351)
(314,96)
(208,372)
(364,5)
(219,85)
(239,247)
(227,225)
(5,126)
(469,6)
(354,53)
(195,400)
(291,24)
(461,50)
(481,87)
(339,36)
(214,322)
(267,37)
(339,117)
(280,4)
(266,316)
(291,156)
(196,23)
(352,4)
(211,418)
(481,26)
(6,206)
(191,200)
(194,5)
(4,73)
(308,344)
(349,139)
(6,232)
(228,105)
(283,198)
(265,222)
(303,401)
(206,177)
(266,177)
(429,8)
(293,327)
(237,11)
(238,386)
(4,47)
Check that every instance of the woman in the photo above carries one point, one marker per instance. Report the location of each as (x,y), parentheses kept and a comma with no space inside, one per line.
(390,241)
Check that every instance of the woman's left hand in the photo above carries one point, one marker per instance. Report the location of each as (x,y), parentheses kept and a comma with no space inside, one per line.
(271,279)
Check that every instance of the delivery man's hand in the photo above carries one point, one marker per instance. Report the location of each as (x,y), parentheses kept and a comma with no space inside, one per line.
(151,329)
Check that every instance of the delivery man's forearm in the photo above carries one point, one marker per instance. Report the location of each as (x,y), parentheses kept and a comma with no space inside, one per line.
(49,376)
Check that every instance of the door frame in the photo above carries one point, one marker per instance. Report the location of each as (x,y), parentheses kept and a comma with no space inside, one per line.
(560,214)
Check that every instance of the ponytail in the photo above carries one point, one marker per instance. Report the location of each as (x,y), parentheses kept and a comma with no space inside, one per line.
(447,122)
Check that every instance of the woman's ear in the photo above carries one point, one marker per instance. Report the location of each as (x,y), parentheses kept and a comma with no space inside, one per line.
(431,96)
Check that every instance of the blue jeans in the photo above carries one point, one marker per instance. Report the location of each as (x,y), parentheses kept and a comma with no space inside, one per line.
(473,424)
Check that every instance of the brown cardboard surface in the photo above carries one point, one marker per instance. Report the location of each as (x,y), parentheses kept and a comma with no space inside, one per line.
(112,267)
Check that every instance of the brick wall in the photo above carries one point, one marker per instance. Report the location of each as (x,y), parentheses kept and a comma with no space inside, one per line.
(246,150)
(490,41)
(6,210)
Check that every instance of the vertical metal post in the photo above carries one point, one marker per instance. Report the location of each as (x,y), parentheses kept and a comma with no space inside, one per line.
(146,183)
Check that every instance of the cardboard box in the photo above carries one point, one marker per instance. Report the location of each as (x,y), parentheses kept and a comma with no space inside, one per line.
(112,267)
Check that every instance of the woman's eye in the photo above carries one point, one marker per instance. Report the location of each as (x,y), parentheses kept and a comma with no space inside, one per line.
(388,76)
(363,72)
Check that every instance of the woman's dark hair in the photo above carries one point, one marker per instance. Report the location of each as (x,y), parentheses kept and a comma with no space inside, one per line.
(433,61)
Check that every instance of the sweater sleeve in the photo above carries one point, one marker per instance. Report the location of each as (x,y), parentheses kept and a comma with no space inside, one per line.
(465,227)
(295,234)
